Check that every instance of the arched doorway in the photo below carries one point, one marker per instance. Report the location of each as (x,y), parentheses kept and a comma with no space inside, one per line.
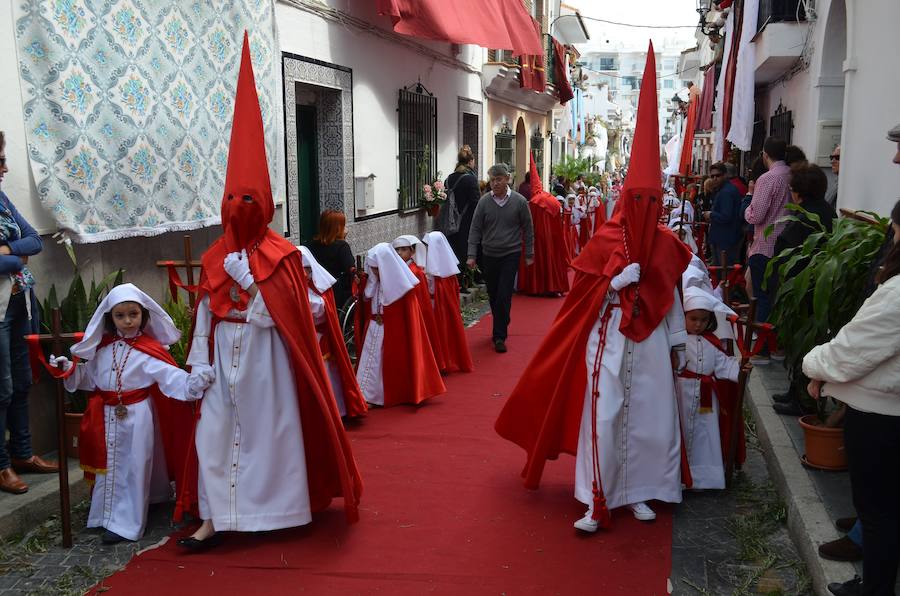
(831,82)
(521,165)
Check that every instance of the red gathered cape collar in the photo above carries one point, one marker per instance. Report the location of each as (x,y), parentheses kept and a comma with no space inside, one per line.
(353,397)
(451,332)
(277,267)
(410,372)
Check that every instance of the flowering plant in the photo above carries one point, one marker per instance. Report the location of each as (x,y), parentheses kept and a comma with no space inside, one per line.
(433,195)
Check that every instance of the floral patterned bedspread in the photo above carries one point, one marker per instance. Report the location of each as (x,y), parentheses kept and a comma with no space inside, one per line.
(128,108)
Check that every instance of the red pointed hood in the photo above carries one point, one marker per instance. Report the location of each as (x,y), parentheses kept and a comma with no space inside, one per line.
(247,206)
(536,185)
(633,234)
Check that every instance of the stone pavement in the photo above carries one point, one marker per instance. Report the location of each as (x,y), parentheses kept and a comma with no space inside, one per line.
(736,541)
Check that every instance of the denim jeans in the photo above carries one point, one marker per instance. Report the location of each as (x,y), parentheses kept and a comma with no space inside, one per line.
(855,533)
(758,264)
(500,278)
(15,380)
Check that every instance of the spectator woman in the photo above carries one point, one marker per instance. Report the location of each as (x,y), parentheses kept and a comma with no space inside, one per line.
(18,241)
(861,368)
(332,251)
(466,192)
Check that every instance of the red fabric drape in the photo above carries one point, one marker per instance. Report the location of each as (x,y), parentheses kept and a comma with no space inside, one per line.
(531,68)
(497,24)
(687,149)
(561,73)
(353,397)
(729,74)
(707,95)
(549,273)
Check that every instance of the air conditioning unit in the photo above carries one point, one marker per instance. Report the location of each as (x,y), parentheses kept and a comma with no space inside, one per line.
(364,191)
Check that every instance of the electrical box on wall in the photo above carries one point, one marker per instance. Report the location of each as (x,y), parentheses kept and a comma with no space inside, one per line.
(365,193)
(828,134)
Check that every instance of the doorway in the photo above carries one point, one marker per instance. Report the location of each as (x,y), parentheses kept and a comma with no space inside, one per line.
(307,170)
(521,166)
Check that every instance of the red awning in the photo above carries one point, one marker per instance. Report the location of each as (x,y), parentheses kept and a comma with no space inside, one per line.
(494,24)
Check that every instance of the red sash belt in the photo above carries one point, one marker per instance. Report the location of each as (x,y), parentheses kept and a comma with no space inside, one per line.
(92,437)
(707,384)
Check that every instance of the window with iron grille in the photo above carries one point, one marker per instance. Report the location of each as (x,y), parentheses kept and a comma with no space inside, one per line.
(781,124)
(607,64)
(505,147)
(417,110)
(537,150)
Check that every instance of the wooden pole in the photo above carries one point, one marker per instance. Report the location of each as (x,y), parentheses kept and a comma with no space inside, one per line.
(190,268)
(64,504)
(737,417)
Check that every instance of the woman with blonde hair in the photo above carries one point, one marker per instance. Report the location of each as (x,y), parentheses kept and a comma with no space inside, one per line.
(466,192)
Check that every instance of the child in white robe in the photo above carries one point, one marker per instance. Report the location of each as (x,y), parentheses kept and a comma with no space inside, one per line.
(117,367)
(697,399)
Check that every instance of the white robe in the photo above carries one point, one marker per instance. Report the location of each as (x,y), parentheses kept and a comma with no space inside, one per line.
(368,373)
(701,430)
(638,433)
(136,473)
(320,315)
(252,472)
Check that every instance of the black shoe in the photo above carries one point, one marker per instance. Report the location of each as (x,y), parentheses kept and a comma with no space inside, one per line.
(842,549)
(783,398)
(848,588)
(499,346)
(845,524)
(198,546)
(788,409)
(111,538)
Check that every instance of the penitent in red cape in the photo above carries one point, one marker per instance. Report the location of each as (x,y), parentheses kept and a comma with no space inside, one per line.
(432,330)
(543,413)
(549,272)
(277,268)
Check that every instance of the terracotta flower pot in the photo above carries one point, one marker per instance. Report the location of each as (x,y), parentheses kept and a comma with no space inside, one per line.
(73,426)
(824,445)
(433,210)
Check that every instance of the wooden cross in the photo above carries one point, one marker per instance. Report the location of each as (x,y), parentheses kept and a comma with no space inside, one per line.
(188,264)
(56,340)
(721,273)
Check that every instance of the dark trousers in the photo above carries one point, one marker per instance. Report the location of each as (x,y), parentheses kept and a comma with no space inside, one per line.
(500,278)
(873,454)
(15,380)
(758,264)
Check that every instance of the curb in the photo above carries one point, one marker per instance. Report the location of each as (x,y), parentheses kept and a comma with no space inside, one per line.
(24,512)
(808,522)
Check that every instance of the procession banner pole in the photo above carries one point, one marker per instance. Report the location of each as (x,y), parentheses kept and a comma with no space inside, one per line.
(64,498)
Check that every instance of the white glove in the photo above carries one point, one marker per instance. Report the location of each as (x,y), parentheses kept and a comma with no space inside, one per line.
(631,274)
(237,266)
(61,362)
(198,382)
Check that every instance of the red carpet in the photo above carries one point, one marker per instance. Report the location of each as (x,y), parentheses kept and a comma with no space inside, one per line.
(443,511)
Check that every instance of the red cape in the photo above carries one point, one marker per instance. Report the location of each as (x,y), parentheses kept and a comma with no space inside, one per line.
(176,418)
(353,397)
(451,332)
(409,370)
(330,466)
(549,273)
(570,236)
(428,316)
(585,229)
(599,216)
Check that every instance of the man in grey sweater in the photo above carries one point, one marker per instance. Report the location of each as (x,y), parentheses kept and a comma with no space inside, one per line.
(500,222)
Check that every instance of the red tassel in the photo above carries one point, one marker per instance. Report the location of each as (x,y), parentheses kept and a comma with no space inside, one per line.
(600,512)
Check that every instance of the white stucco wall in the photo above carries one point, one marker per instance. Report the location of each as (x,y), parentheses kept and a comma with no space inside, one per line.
(380,69)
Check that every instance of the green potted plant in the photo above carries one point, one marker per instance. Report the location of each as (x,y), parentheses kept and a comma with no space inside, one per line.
(811,306)
(76,309)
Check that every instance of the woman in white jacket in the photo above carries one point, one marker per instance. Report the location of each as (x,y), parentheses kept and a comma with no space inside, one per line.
(861,367)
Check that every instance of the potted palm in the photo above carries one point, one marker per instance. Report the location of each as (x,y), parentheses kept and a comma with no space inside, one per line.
(832,269)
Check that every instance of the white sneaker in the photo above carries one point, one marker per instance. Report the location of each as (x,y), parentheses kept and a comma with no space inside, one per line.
(587,523)
(642,511)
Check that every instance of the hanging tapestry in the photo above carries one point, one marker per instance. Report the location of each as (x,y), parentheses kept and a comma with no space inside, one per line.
(128,108)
